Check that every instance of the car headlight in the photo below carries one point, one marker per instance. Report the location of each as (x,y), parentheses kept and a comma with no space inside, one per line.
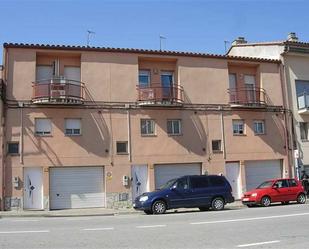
(143,198)
(254,194)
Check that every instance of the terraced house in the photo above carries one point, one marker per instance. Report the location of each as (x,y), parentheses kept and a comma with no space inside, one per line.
(95,127)
(294,55)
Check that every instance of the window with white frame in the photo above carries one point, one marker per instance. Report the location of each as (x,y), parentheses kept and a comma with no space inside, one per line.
(238,127)
(43,126)
(259,127)
(144,78)
(303,126)
(174,127)
(72,126)
(147,127)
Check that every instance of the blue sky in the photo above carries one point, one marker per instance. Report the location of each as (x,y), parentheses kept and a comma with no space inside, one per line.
(188,25)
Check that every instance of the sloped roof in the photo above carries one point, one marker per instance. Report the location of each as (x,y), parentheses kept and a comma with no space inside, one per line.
(133,50)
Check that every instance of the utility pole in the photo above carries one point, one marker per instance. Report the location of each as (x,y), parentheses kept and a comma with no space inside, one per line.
(89,32)
(161,38)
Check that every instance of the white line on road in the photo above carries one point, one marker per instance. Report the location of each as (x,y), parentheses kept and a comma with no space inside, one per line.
(14,232)
(248,219)
(151,226)
(99,229)
(259,243)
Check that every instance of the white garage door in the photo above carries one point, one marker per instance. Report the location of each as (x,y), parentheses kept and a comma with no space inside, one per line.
(76,187)
(259,171)
(165,172)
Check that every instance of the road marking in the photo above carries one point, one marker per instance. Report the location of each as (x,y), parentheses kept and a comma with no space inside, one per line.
(81,218)
(248,219)
(23,220)
(151,226)
(14,232)
(259,243)
(99,229)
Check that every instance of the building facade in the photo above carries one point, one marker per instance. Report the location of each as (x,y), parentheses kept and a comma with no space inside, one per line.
(95,127)
(295,59)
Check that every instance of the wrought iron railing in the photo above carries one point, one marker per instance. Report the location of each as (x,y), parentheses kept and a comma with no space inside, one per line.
(156,93)
(58,89)
(251,96)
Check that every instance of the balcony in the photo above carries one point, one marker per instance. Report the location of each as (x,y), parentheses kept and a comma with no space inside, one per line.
(247,97)
(303,103)
(156,94)
(58,91)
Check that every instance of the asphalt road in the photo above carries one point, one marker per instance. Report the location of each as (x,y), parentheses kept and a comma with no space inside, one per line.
(273,227)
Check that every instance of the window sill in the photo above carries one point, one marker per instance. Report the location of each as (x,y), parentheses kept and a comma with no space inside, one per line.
(13,154)
(240,135)
(304,140)
(72,135)
(173,135)
(259,134)
(149,135)
(39,135)
(122,153)
(217,151)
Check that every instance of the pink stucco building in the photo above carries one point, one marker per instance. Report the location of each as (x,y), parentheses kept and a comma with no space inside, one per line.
(95,127)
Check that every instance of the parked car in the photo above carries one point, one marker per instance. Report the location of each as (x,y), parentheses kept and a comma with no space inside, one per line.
(276,190)
(202,191)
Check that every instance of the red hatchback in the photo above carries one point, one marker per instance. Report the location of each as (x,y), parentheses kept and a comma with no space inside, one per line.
(276,190)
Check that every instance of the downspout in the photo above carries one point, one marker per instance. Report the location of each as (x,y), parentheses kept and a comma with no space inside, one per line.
(21,138)
(129,132)
(222,132)
(287,132)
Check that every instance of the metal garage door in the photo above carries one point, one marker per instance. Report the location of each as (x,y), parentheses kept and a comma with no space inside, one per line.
(259,171)
(165,172)
(76,187)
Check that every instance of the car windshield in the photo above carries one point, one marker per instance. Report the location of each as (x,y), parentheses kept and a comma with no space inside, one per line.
(266,184)
(168,184)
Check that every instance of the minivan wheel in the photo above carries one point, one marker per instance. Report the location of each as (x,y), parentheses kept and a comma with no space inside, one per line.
(265,202)
(159,207)
(203,208)
(217,204)
(301,198)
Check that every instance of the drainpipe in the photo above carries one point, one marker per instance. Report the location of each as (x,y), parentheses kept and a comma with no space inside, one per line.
(129,132)
(222,132)
(21,138)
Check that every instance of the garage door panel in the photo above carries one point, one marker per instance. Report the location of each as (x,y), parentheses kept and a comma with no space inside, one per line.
(166,172)
(259,171)
(76,187)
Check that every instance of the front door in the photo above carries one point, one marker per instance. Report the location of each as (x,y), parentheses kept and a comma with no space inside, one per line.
(233,176)
(139,180)
(33,188)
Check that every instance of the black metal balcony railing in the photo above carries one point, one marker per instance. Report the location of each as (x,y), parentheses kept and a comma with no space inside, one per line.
(247,96)
(57,90)
(156,93)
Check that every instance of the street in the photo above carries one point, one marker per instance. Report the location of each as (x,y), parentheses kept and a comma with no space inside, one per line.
(274,227)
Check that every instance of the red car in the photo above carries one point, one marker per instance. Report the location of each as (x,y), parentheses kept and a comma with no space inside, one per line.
(276,190)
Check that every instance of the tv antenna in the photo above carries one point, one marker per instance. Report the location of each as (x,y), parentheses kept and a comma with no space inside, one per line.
(225,45)
(89,32)
(161,38)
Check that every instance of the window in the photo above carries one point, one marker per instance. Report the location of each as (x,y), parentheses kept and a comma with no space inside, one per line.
(44,72)
(199,181)
(217,181)
(303,131)
(259,127)
(147,127)
(292,183)
(216,145)
(72,126)
(302,92)
(144,78)
(122,147)
(13,148)
(238,127)
(43,126)
(174,127)
(282,184)
(182,183)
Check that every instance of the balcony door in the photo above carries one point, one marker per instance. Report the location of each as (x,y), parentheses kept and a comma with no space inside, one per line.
(72,74)
(167,81)
(249,81)
(44,73)
(232,87)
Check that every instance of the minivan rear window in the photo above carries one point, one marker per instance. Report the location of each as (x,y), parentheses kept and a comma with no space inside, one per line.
(199,182)
(216,181)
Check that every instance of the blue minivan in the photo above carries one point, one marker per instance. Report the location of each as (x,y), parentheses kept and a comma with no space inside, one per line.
(200,191)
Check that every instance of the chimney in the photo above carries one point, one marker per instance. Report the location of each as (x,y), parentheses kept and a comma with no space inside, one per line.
(292,37)
(239,40)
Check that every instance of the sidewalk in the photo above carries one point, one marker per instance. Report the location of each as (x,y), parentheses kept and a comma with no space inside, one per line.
(91,212)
